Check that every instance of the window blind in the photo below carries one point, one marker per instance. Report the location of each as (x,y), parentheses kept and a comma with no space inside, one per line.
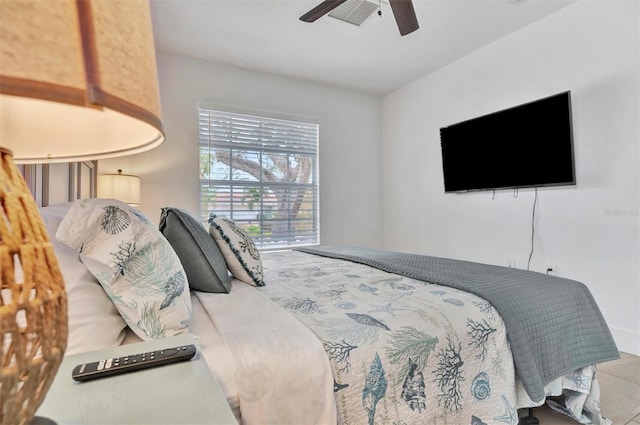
(261,172)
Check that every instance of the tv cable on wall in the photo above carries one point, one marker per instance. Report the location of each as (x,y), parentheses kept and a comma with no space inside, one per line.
(533,226)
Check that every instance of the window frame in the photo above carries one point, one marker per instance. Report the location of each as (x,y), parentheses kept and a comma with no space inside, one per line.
(302,145)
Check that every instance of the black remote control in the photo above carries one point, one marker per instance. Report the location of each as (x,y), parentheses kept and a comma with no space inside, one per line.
(124,364)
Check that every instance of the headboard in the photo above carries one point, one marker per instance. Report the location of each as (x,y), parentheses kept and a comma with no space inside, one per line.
(61,182)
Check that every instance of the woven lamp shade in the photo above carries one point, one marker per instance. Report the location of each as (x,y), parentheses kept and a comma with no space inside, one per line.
(78,81)
(33,310)
(73,74)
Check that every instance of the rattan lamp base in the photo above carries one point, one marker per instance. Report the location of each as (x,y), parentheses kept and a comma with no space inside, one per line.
(33,303)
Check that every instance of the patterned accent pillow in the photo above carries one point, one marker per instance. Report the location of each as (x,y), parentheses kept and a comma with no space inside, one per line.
(94,322)
(239,250)
(133,262)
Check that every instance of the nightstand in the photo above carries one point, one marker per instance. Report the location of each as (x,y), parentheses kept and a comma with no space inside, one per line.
(179,393)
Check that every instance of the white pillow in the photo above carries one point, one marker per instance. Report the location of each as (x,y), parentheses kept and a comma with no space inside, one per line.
(238,249)
(133,262)
(94,322)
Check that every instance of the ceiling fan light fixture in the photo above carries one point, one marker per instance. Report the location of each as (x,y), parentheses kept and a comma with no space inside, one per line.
(355,12)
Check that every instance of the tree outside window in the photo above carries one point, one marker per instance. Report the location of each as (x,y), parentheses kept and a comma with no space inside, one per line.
(262,173)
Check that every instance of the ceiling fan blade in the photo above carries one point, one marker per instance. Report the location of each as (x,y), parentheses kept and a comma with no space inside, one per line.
(405,16)
(321,10)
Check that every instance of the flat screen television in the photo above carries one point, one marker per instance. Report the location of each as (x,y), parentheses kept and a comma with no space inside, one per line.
(529,145)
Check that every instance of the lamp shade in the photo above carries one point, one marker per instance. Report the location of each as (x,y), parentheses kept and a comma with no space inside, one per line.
(123,187)
(78,79)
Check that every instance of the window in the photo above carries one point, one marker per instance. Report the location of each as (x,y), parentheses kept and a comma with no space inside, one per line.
(261,172)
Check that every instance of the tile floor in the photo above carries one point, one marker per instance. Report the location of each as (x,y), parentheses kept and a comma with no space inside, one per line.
(620,394)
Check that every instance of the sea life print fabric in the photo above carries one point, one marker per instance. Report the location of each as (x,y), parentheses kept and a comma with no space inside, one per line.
(402,351)
(133,262)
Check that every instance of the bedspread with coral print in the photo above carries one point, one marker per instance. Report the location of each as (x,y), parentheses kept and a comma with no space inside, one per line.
(402,351)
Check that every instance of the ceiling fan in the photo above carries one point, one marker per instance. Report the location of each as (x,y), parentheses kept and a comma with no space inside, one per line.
(402,10)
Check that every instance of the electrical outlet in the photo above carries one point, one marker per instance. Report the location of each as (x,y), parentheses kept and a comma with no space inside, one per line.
(551,269)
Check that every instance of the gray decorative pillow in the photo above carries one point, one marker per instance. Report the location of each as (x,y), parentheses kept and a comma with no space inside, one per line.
(200,256)
(241,253)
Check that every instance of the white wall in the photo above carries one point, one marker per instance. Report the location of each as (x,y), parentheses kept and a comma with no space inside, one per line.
(350,142)
(589,231)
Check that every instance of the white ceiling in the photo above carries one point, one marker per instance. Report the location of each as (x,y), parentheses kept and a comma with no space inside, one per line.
(267,36)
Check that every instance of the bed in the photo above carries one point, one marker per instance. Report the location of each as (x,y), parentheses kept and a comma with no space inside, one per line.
(295,337)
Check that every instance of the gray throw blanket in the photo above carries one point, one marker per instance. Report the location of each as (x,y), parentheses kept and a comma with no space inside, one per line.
(553,324)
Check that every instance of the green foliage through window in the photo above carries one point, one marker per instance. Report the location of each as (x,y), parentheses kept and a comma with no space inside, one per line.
(261,172)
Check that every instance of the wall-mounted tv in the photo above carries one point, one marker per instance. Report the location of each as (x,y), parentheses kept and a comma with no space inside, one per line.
(529,145)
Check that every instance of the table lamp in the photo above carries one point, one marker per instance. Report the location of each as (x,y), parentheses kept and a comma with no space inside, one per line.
(123,187)
(78,81)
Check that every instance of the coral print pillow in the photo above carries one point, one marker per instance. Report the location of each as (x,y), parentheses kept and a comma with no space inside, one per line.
(238,249)
(133,262)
